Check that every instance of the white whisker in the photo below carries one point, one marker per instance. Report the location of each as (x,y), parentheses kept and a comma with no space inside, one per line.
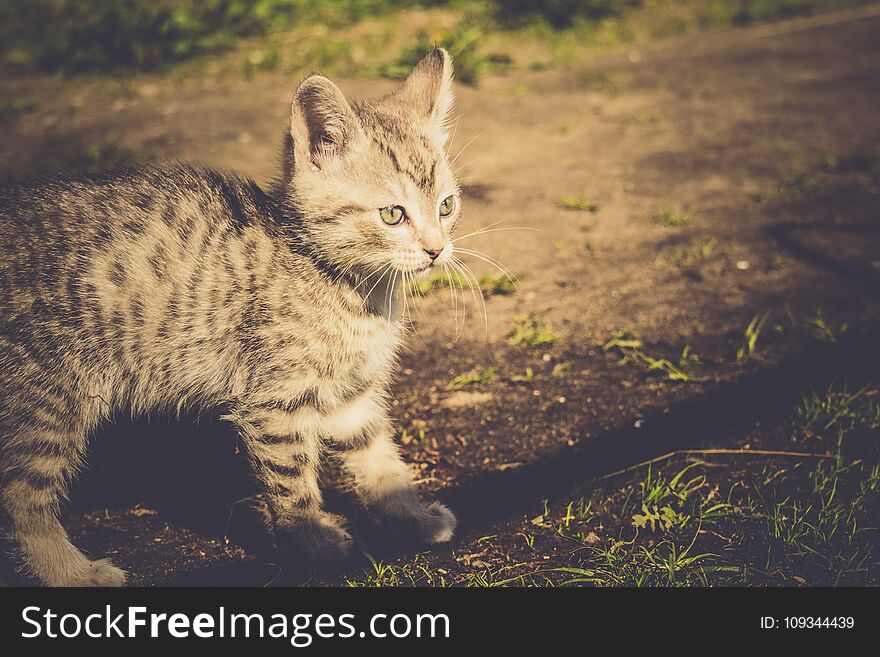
(411,281)
(378,280)
(462,166)
(457,119)
(389,296)
(480,134)
(495,230)
(460,267)
(367,277)
(492,261)
(453,295)
(474,285)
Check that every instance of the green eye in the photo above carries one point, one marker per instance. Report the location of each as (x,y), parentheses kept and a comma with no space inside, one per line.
(447,206)
(392,215)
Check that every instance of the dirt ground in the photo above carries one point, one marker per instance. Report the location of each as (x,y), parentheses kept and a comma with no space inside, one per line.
(733,173)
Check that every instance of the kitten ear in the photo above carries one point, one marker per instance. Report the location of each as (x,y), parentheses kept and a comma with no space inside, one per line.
(322,123)
(427,92)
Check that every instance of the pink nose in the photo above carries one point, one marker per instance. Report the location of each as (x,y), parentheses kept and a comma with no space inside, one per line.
(433,253)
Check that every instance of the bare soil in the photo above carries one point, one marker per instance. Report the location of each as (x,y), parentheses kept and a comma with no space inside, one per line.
(767,138)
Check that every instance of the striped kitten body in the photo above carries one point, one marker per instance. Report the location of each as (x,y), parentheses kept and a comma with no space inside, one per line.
(181,288)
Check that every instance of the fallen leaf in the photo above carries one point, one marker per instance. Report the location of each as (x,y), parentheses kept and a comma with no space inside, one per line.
(139,511)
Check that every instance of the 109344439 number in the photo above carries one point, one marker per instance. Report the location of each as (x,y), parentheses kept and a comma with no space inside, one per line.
(818,622)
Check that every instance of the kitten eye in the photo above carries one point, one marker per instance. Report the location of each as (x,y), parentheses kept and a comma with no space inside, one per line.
(392,215)
(447,206)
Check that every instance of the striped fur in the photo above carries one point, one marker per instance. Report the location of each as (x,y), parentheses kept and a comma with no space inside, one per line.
(181,288)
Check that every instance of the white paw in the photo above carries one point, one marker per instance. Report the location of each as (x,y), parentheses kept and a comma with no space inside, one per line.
(440,525)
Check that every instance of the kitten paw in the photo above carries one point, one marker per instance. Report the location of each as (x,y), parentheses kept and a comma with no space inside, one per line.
(328,540)
(95,573)
(429,524)
(438,525)
(322,538)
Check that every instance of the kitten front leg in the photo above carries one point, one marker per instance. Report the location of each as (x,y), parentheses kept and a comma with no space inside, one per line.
(286,449)
(365,444)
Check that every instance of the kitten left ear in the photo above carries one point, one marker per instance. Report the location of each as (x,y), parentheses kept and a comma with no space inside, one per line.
(427,92)
(322,123)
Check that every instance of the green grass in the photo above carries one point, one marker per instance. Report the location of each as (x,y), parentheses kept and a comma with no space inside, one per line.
(805,179)
(690,256)
(11,108)
(674,218)
(577,203)
(746,12)
(438,281)
(491,283)
(422,571)
(558,13)
(382,574)
(496,284)
(840,408)
(527,375)
(461,42)
(476,377)
(531,331)
(820,329)
(748,344)
(752,519)
(416,433)
(107,35)
(631,348)
(74,36)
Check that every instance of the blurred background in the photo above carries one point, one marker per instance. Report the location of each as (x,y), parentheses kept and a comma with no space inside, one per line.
(359,36)
(121,47)
(676,384)
(185,39)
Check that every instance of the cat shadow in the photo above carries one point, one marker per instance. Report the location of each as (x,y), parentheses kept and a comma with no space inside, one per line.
(792,235)
(191,469)
(191,473)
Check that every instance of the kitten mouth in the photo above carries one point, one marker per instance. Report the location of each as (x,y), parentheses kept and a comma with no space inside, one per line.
(417,269)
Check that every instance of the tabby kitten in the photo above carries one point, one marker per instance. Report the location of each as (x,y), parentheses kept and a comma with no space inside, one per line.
(181,288)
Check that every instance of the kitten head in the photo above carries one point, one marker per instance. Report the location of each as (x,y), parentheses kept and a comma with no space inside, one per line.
(370,183)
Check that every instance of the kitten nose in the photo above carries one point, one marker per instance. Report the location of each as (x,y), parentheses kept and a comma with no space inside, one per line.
(433,253)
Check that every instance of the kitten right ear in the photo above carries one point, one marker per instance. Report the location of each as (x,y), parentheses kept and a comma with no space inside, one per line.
(322,123)
(427,92)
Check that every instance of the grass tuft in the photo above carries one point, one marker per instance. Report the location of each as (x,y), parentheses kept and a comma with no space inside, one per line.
(531,331)
(630,347)
(674,219)
(749,341)
(476,377)
(822,330)
(491,284)
(577,203)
